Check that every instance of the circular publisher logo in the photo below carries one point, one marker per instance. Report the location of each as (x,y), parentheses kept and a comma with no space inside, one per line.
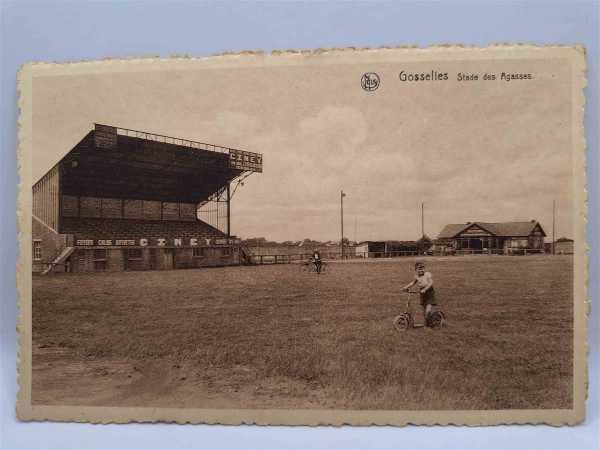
(370,81)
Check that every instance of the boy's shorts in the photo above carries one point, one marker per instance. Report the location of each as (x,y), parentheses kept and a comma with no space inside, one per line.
(428,298)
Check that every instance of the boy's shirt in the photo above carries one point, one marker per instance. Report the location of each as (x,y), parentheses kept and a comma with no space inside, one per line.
(424,280)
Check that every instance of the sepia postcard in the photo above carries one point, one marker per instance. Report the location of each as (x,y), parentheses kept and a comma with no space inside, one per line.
(367,237)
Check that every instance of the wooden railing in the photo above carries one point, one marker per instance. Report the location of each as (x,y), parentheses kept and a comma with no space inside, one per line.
(172,140)
(299,257)
(509,251)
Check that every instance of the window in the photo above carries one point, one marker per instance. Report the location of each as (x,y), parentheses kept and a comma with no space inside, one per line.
(37,250)
(99,253)
(100,259)
(199,252)
(134,253)
(519,243)
(227,251)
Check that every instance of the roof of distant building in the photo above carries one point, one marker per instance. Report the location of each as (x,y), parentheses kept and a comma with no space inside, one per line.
(496,228)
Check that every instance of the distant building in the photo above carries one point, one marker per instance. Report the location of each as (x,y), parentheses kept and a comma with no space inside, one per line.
(481,237)
(402,248)
(370,249)
(564,246)
(382,249)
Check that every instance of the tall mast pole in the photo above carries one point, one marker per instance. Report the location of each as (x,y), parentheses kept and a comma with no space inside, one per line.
(422,219)
(342,220)
(553,226)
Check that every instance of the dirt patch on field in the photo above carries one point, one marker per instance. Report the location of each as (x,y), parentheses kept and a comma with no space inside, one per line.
(266,337)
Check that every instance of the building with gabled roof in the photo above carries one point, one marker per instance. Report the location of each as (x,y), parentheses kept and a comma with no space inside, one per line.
(493,237)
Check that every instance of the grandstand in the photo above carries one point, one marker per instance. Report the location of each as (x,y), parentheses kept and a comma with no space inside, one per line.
(130,200)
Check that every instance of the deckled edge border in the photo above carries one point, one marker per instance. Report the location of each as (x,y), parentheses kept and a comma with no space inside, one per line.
(105,415)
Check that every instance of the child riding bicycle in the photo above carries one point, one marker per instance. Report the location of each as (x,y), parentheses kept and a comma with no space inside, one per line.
(424,281)
(316,260)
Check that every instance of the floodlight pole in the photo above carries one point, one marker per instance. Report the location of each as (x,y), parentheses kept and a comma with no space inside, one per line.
(422,219)
(342,220)
(553,226)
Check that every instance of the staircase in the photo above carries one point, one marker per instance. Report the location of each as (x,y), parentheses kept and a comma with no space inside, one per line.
(59,260)
(246,255)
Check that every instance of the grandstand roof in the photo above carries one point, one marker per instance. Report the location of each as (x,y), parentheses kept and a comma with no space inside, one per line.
(120,163)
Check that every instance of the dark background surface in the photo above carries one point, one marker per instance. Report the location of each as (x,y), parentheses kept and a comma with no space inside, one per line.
(72,31)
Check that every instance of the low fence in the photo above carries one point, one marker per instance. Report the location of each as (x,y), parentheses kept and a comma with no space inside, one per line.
(300,257)
(508,251)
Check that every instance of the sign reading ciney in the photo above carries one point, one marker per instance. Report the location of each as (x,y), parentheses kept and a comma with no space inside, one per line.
(239,159)
(158,242)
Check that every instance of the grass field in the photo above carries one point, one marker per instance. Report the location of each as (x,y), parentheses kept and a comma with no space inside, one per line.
(274,337)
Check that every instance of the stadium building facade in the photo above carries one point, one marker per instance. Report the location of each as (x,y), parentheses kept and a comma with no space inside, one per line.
(129,200)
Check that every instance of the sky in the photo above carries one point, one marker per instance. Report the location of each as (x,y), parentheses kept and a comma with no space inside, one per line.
(469,150)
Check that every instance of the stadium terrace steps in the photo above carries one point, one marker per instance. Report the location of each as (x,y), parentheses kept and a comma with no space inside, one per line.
(100,228)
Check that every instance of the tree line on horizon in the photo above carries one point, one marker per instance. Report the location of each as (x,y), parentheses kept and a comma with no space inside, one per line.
(424,243)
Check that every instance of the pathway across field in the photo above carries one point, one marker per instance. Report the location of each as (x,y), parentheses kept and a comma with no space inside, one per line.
(274,336)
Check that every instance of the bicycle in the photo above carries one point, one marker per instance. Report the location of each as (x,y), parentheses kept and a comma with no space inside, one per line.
(310,267)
